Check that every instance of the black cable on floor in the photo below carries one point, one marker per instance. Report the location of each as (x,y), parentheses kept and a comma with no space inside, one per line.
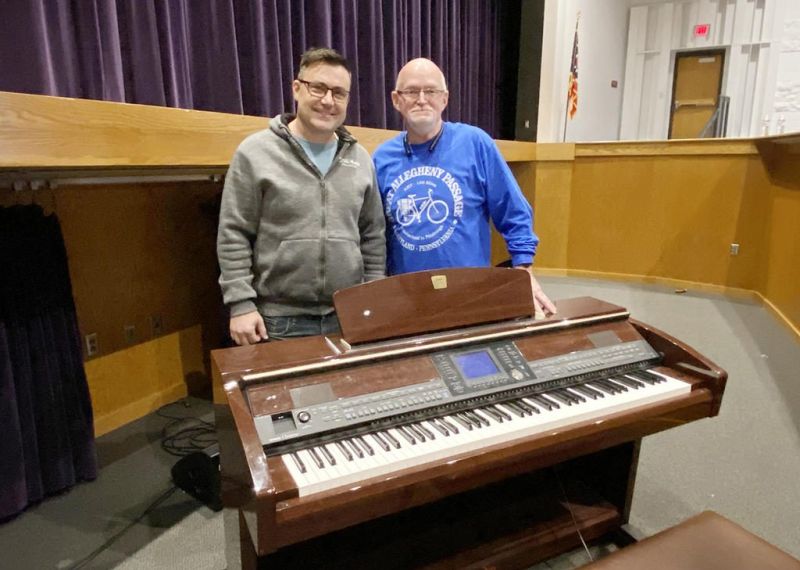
(185,435)
(103,547)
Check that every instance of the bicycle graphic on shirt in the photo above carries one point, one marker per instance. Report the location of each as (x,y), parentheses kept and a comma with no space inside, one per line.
(411,209)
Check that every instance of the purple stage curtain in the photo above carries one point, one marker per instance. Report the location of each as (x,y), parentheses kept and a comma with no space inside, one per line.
(45,409)
(239,56)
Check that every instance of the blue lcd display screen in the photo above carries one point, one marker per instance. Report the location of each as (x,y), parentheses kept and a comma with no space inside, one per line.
(475,364)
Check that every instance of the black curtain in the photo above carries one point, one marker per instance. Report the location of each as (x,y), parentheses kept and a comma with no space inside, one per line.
(47,442)
(239,56)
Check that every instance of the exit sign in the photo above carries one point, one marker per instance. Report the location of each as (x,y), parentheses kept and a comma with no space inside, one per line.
(701,30)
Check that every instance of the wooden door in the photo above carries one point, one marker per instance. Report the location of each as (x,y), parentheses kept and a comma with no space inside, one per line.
(695,92)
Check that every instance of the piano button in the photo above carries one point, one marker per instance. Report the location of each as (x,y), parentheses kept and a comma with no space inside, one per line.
(297,461)
(560,397)
(364,445)
(438,427)
(346,452)
(380,441)
(312,451)
(408,434)
(326,451)
(449,424)
(463,420)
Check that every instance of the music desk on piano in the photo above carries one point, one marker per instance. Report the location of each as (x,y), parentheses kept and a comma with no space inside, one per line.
(447,427)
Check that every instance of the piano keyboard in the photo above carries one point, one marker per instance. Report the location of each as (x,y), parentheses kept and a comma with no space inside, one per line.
(352,460)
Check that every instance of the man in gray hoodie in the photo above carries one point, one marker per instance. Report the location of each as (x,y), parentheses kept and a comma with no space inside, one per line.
(301,215)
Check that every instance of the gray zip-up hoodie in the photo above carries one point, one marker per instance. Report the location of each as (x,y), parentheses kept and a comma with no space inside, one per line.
(289,237)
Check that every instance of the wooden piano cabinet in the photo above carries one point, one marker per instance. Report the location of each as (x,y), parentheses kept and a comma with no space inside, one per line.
(507,505)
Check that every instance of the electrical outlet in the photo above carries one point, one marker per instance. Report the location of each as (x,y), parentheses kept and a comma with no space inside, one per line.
(156,325)
(734,249)
(91,344)
(130,333)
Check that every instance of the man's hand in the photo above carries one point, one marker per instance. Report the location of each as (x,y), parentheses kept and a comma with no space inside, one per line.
(542,304)
(248,328)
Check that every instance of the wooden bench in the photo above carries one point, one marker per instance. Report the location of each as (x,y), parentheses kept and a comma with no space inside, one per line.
(707,541)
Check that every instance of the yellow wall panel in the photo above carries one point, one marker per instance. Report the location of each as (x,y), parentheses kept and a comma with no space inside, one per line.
(128,384)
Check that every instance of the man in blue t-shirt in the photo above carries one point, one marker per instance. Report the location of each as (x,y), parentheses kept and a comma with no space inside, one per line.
(441,182)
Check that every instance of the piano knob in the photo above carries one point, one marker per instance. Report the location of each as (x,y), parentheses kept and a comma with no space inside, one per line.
(303,417)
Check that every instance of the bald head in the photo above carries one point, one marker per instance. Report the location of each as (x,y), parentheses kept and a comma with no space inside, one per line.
(421,68)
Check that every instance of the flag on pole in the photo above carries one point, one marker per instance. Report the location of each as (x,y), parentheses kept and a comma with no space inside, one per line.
(572,90)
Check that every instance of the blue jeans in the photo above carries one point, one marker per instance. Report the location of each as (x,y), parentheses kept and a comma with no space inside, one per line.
(280,328)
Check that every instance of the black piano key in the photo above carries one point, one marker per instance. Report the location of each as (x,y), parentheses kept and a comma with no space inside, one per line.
(526,409)
(480,418)
(585,391)
(544,401)
(423,432)
(328,455)
(502,412)
(576,398)
(392,439)
(367,447)
(312,451)
(528,406)
(384,444)
(560,397)
(298,462)
(635,384)
(418,433)
(589,391)
(647,376)
(422,427)
(463,420)
(346,452)
(449,425)
(438,427)
(619,385)
(608,387)
(408,434)
(517,411)
(354,447)
(492,413)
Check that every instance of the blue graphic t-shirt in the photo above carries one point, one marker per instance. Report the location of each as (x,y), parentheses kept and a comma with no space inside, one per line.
(438,198)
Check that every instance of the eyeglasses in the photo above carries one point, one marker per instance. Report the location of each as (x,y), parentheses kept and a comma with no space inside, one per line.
(319,90)
(415,94)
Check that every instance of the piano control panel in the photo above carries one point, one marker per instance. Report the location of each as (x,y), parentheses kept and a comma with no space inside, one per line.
(465,374)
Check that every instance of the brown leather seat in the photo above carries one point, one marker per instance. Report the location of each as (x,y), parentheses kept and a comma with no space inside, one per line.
(707,541)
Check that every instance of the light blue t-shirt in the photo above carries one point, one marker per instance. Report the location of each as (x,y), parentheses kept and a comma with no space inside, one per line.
(321,154)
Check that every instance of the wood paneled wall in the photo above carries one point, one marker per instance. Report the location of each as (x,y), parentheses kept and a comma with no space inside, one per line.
(663,212)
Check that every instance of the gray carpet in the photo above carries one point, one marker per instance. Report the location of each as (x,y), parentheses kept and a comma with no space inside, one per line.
(744,464)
